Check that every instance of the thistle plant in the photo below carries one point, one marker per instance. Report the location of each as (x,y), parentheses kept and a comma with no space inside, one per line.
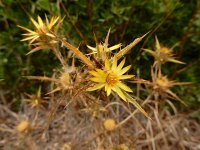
(35,100)
(43,37)
(160,86)
(88,98)
(107,75)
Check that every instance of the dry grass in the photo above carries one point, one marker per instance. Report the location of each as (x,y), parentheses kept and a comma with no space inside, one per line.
(80,126)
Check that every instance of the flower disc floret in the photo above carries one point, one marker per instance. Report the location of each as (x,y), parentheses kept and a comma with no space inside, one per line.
(112,78)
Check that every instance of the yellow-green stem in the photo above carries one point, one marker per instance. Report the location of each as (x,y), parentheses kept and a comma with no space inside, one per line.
(126,49)
(79,54)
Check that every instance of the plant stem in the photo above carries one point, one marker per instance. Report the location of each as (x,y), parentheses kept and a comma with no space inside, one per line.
(78,54)
(60,57)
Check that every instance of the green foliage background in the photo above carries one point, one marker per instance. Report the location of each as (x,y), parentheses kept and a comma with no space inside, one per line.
(173,21)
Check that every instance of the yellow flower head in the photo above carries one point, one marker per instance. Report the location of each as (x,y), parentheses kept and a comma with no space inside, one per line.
(22,126)
(42,30)
(65,80)
(109,124)
(35,100)
(163,83)
(162,54)
(110,77)
(102,50)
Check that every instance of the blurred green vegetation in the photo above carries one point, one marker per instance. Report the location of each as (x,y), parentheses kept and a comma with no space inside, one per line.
(173,21)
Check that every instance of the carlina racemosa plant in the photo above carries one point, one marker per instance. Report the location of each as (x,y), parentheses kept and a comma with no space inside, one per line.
(160,86)
(103,71)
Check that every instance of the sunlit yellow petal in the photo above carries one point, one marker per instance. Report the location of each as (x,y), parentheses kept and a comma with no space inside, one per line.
(41,24)
(47,20)
(126,77)
(96,87)
(51,35)
(124,87)
(119,67)
(27,29)
(115,47)
(53,22)
(107,64)
(124,70)
(119,92)
(157,44)
(107,89)
(30,37)
(30,34)
(36,37)
(100,48)
(101,72)
(94,73)
(114,63)
(101,80)
(35,23)
(135,103)
(153,53)
(175,61)
(98,73)
(92,48)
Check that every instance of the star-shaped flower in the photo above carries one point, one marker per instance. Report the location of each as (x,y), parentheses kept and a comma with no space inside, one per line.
(42,30)
(101,51)
(162,54)
(111,78)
